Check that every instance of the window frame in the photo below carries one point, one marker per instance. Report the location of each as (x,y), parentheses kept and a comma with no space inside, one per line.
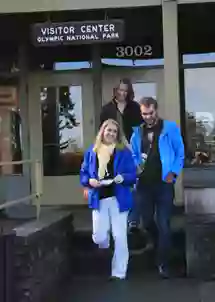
(198,176)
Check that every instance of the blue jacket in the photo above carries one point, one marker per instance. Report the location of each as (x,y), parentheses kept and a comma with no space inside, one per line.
(123,164)
(171,148)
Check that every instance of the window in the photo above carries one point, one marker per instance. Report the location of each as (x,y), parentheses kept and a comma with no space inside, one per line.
(133,63)
(145,90)
(200,116)
(199,58)
(59,66)
(61,109)
(10,130)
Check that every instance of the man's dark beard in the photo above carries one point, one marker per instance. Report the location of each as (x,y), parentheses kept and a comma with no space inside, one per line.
(153,124)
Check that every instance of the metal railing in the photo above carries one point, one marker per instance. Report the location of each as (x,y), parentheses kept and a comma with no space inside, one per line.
(38,185)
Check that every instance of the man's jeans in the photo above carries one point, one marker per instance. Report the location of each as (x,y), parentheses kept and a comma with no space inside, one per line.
(134,214)
(155,202)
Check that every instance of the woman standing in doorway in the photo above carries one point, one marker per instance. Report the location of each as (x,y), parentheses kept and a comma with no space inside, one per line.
(126,112)
(109,172)
(122,108)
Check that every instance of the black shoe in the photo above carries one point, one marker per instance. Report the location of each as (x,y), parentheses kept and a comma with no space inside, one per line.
(163,272)
(132,227)
(115,279)
(136,242)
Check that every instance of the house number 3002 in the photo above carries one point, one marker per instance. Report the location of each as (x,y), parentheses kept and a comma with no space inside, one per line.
(134,51)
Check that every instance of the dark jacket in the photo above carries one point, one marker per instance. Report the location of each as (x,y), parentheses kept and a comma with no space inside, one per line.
(123,164)
(131,116)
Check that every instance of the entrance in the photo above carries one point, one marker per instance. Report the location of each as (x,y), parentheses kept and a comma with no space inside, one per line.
(146,83)
(62,126)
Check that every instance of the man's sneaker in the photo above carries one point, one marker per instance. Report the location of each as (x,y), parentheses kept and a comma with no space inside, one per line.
(136,242)
(132,227)
(163,271)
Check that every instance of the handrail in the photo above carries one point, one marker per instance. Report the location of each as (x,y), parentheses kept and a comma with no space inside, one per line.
(38,185)
(18,162)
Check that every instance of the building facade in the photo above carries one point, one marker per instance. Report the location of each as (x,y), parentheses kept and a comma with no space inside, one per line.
(166,49)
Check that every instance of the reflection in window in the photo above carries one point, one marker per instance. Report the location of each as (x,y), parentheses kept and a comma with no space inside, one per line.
(72,65)
(133,63)
(199,58)
(62,130)
(144,90)
(10,130)
(200,116)
(111,62)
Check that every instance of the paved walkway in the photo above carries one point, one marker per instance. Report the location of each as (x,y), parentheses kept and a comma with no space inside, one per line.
(140,289)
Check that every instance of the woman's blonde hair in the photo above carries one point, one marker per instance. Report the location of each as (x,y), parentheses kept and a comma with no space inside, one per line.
(121,141)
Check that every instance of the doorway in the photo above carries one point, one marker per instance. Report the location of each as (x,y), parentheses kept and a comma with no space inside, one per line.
(146,83)
(62,126)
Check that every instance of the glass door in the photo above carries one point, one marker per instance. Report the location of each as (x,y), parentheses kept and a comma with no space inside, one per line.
(61,120)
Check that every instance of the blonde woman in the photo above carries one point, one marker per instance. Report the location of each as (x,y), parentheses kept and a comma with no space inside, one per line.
(108,171)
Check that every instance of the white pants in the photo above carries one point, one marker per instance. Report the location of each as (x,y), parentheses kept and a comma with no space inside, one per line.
(110,218)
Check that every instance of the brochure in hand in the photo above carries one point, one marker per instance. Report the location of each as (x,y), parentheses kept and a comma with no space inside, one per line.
(106,182)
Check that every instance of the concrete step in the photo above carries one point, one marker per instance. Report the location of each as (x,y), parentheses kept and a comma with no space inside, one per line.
(37,256)
(89,260)
(147,287)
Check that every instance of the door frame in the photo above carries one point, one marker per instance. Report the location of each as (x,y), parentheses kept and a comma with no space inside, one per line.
(59,78)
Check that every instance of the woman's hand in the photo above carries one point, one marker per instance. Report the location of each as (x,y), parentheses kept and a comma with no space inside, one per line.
(119,179)
(94,183)
(85,193)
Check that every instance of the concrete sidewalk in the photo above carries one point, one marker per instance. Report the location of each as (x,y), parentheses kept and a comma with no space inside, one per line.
(148,288)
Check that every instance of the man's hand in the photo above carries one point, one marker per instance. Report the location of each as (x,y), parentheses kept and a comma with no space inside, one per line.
(94,183)
(170,177)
